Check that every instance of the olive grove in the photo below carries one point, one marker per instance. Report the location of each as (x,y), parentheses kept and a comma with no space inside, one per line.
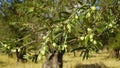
(52,27)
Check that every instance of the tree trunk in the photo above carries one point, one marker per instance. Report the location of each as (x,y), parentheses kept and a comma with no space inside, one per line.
(74,54)
(20,55)
(55,60)
(114,53)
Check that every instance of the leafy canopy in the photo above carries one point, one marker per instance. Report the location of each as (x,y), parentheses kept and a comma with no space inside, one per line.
(62,25)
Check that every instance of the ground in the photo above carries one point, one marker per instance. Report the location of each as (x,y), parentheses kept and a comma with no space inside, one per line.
(100,60)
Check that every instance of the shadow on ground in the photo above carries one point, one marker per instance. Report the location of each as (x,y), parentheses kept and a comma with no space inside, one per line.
(2,63)
(96,65)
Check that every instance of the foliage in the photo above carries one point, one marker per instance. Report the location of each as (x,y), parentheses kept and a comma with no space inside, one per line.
(59,24)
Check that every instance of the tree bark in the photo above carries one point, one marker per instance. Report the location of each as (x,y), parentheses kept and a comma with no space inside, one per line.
(114,53)
(74,54)
(55,60)
(20,55)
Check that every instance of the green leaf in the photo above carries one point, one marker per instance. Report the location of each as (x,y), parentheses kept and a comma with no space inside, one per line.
(93,3)
(87,39)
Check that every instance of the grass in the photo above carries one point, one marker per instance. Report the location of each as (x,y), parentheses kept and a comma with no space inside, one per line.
(100,60)
(7,62)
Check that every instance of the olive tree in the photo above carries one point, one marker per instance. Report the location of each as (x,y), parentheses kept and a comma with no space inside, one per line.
(54,27)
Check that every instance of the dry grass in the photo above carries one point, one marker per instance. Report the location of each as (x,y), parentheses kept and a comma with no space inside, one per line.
(100,60)
(95,61)
(7,62)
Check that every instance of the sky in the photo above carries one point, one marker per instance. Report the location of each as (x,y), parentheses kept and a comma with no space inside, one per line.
(10,1)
